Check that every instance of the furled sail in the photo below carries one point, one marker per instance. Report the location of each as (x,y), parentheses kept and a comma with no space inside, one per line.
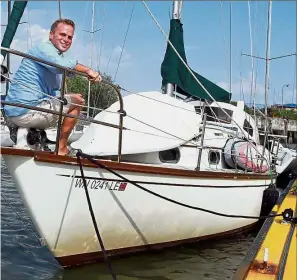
(13,22)
(174,71)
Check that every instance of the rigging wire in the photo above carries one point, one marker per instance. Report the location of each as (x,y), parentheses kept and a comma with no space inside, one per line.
(84,20)
(159,101)
(172,136)
(99,54)
(128,27)
(129,21)
(52,97)
(102,35)
(191,72)
(116,36)
(92,48)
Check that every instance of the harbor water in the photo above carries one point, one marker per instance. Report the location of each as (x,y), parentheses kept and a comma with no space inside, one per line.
(23,257)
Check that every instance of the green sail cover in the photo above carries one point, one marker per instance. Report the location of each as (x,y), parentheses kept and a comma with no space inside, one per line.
(13,22)
(174,71)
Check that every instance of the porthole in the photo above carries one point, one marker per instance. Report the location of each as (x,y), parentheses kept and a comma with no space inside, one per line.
(170,156)
(213,157)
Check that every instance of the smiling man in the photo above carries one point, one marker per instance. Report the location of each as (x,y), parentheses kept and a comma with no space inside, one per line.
(37,84)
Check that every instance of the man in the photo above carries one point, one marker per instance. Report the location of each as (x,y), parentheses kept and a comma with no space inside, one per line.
(33,79)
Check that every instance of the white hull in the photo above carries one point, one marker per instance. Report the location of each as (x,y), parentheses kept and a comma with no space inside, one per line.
(51,135)
(127,219)
(5,137)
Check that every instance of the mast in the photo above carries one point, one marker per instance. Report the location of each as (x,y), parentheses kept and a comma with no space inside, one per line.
(230,51)
(60,12)
(176,14)
(267,59)
(92,35)
(267,56)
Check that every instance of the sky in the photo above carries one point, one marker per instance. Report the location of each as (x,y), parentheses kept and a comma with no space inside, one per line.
(135,63)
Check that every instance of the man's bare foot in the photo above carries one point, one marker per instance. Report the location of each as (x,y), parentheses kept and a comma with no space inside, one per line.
(63,152)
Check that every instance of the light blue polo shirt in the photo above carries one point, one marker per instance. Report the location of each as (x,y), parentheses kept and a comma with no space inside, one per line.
(37,76)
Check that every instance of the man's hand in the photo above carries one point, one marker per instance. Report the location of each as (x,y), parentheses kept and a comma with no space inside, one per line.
(77,99)
(94,76)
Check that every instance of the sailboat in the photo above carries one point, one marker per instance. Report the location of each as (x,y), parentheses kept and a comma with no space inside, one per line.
(148,165)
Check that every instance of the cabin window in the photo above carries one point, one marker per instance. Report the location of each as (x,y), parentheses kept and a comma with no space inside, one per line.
(170,156)
(215,114)
(213,157)
(248,128)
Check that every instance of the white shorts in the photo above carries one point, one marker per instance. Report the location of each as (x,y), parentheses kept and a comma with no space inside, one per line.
(42,120)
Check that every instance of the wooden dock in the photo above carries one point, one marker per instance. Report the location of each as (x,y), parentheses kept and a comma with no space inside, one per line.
(272,256)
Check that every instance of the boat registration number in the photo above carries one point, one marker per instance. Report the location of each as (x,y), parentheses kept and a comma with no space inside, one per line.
(94,184)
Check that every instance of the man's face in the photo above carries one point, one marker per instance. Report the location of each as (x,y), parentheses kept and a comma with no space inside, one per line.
(62,37)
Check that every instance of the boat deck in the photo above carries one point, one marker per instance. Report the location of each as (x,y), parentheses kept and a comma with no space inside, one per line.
(273,253)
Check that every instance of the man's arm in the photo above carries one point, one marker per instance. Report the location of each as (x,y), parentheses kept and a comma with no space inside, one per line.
(92,75)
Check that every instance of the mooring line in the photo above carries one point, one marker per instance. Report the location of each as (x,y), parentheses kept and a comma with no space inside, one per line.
(94,220)
(287,214)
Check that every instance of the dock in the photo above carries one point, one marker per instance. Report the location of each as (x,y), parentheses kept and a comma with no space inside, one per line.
(272,255)
(286,129)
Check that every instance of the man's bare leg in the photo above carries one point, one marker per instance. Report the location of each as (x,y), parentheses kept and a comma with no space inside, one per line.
(69,123)
(67,126)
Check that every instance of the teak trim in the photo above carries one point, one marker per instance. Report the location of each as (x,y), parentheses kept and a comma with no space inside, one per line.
(41,156)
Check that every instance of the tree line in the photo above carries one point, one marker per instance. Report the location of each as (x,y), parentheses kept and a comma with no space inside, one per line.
(101,95)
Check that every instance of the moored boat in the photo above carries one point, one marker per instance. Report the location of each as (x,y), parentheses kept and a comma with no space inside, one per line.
(151,140)
(129,219)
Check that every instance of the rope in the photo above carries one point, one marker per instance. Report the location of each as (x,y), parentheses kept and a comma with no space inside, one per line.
(99,164)
(148,133)
(94,221)
(138,94)
(161,130)
(189,69)
(137,131)
(99,109)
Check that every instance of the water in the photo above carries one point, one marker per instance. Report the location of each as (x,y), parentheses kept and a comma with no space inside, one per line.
(24,258)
